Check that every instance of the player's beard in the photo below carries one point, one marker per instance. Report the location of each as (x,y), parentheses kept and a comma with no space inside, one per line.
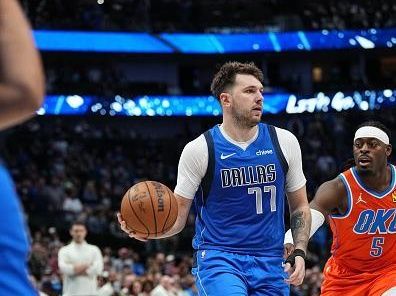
(244,118)
(364,172)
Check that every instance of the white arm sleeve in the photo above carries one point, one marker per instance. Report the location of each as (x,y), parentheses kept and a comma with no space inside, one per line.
(192,167)
(295,178)
(96,266)
(317,221)
(64,266)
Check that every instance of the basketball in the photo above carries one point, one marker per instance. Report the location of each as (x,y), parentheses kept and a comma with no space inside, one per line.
(149,208)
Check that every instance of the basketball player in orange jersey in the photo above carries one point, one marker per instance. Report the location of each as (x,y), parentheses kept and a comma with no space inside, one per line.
(21,94)
(360,205)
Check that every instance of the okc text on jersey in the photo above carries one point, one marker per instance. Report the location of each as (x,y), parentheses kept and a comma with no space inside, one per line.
(381,221)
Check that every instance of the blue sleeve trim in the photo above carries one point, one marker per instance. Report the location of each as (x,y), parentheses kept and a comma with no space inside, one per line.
(349,196)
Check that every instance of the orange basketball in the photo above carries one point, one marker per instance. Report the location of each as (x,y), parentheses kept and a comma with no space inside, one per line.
(149,208)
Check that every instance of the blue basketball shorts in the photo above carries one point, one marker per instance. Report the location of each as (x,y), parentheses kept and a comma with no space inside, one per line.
(13,242)
(223,273)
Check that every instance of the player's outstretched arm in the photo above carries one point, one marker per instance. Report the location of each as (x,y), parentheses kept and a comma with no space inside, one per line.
(184,205)
(300,218)
(21,74)
(329,198)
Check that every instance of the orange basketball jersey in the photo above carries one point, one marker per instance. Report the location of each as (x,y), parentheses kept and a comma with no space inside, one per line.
(364,238)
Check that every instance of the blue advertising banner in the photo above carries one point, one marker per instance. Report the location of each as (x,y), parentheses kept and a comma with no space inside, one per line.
(214,43)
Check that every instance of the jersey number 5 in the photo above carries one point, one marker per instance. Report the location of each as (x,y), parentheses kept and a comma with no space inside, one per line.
(259,197)
(376,246)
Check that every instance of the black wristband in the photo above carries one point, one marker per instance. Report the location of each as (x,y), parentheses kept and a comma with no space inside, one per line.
(292,257)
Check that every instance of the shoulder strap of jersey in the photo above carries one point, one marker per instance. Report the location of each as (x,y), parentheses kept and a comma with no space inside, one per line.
(278,150)
(207,180)
(349,185)
(350,179)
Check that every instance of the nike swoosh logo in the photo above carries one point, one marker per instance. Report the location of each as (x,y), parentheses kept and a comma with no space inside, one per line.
(222,156)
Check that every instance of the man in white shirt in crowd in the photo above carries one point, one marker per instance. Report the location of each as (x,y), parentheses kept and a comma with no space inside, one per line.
(80,263)
(166,287)
(106,283)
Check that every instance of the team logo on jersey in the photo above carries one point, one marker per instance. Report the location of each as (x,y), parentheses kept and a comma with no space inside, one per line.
(394,196)
(360,199)
(203,254)
(225,156)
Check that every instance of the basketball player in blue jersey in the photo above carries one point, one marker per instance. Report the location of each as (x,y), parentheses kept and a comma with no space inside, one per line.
(237,174)
(21,94)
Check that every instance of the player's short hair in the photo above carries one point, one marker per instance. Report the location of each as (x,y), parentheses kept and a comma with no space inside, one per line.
(376,124)
(225,77)
(78,223)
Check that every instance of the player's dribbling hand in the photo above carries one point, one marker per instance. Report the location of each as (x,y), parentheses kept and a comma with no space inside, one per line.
(130,233)
(297,272)
(287,250)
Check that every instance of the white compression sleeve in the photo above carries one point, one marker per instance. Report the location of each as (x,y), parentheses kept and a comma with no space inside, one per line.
(317,221)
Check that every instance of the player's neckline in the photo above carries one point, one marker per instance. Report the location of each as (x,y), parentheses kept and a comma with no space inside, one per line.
(375,193)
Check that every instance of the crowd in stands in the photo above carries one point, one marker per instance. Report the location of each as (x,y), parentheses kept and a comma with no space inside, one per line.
(209,15)
(69,169)
(335,14)
(97,79)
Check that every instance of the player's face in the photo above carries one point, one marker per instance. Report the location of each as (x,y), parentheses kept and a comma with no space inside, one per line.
(246,100)
(78,233)
(370,155)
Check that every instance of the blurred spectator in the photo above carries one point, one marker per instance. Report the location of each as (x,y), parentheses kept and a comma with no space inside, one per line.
(34,283)
(136,288)
(72,203)
(106,284)
(147,287)
(166,287)
(80,263)
(124,260)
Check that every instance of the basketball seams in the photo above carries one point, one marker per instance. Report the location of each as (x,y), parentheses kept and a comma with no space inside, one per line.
(170,209)
(133,210)
(152,206)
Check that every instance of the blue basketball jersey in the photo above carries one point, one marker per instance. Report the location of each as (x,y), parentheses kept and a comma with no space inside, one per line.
(240,203)
(14,245)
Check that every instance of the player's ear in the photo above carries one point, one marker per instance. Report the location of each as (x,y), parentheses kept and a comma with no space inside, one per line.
(388,150)
(225,99)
